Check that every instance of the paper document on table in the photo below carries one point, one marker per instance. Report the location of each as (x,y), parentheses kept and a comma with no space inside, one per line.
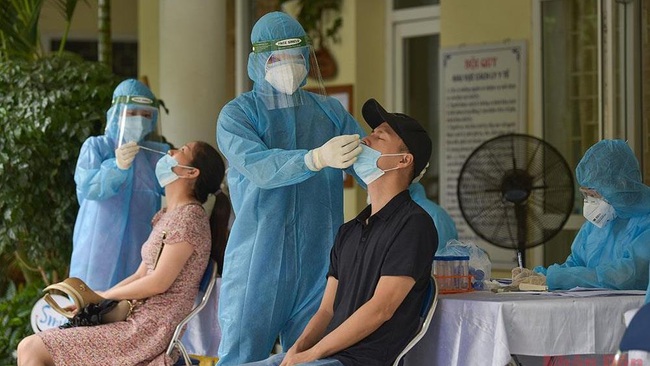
(578,288)
(519,292)
(593,292)
(532,287)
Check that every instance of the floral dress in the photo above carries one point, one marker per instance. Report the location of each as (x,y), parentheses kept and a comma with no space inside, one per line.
(142,339)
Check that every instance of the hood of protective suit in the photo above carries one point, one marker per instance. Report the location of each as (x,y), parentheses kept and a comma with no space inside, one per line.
(611,168)
(273,26)
(129,87)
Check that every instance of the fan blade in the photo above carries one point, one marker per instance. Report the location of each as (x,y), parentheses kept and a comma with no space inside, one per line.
(515,206)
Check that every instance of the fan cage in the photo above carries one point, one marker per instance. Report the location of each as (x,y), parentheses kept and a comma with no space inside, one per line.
(516,191)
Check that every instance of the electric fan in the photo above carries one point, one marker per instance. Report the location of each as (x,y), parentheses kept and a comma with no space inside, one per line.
(515,191)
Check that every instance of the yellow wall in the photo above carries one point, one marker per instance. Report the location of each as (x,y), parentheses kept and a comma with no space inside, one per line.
(148,47)
(130,20)
(370,33)
(484,21)
(475,22)
(370,65)
(124,21)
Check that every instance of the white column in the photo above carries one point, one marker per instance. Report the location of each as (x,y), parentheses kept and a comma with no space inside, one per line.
(192,68)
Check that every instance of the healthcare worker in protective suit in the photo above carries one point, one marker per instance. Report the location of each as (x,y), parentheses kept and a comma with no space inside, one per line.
(117,189)
(612,249)
(444,223)
(285,148)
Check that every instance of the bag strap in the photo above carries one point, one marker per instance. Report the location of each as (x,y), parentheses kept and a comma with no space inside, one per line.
(75,289)
(162,245)
(164,236)
(67,313)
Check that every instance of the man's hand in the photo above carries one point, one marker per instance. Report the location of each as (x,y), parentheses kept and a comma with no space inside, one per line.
(297,358)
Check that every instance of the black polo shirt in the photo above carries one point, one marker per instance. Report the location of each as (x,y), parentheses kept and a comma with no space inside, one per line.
(399,240)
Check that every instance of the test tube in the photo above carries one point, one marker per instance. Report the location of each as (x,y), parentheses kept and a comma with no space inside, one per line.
(438,271)
(464,272)
(456,274)
(149,149)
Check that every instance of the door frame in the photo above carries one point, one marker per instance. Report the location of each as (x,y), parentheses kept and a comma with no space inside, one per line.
(401,24)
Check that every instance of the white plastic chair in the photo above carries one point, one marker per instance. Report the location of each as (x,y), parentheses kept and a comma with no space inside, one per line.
(426,315)
(205,287)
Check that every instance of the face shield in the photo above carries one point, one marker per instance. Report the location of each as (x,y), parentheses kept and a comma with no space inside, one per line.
(282,67)
(589,193)
(137,119)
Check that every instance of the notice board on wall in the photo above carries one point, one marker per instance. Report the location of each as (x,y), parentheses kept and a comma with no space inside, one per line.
(483,93)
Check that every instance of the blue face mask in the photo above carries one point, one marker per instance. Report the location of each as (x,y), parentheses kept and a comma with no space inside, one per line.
(164,171)
(136,128)
(366,164)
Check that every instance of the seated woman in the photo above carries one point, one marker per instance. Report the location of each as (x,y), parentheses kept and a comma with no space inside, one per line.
(164,286)
(612,249)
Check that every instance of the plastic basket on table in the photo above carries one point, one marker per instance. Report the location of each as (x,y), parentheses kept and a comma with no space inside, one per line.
(454,284)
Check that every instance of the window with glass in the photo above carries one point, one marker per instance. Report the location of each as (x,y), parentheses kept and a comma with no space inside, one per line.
(405,4)
(592,52)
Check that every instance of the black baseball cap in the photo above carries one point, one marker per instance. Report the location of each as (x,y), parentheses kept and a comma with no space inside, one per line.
(407,128)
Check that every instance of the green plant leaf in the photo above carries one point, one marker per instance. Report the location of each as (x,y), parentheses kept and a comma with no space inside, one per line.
(19,36)
(48,107)
(15,311)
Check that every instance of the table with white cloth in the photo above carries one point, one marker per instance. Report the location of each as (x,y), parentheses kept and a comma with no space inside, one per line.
(485,328)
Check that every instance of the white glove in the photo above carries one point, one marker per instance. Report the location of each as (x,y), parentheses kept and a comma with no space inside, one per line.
(525,275)
(339,152)
(125,154)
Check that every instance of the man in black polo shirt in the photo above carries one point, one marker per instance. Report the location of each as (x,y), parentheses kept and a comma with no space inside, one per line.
(381,260)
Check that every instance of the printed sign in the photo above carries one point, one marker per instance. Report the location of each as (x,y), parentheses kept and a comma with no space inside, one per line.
(483,95)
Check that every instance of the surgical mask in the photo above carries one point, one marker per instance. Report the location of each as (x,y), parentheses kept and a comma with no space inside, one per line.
(135,128)
(366,164)
(287,77)
(598,211)
(164,171)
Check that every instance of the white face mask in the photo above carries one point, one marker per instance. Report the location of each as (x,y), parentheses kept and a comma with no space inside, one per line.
(598,211)
(286,77)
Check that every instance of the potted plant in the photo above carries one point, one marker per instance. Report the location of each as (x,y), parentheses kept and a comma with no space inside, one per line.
(322,21)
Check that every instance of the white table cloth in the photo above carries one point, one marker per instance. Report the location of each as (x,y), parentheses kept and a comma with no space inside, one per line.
(484,328)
